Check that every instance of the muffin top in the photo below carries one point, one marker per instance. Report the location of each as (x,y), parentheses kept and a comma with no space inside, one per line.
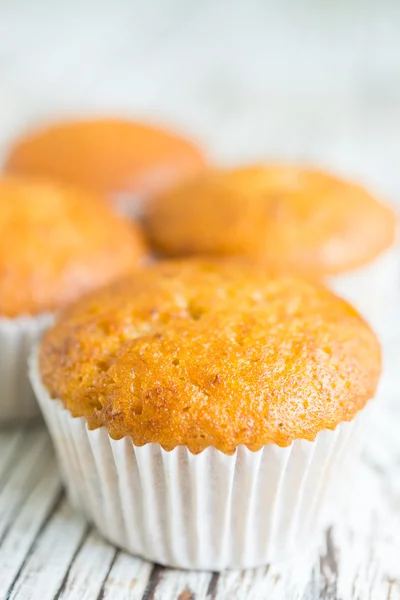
(300,217)
(107,155)
(57,243)
(207,354)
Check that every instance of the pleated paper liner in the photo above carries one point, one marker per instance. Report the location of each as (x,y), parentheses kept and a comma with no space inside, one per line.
(17,337)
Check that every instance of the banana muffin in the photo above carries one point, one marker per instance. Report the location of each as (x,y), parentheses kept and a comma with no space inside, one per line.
(296,216)
(56,243)
(192,390)
(124,159)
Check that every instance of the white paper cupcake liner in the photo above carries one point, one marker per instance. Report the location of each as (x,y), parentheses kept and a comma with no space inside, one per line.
(373,290)
(207,511)
(17,336)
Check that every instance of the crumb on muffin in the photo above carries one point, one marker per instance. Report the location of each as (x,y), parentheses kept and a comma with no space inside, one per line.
(205,354)
(297,216)
(57,243)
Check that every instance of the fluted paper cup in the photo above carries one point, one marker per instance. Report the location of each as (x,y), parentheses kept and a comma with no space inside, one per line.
(17,336)
(206,511)
(373,289)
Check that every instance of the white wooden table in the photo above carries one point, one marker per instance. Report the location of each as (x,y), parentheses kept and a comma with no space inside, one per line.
(252,80)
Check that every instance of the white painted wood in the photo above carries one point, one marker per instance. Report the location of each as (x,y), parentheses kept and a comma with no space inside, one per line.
(9,446)
(127,579)
(46,567)
(28,523)
(89,569)
(33,449)
(184,585)
(283,581)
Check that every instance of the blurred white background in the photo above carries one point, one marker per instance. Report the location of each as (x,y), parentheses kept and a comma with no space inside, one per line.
(310,81)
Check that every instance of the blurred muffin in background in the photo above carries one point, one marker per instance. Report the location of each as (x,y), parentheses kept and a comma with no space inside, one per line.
(56,243)
(126,160)
(222,397)
(299,217)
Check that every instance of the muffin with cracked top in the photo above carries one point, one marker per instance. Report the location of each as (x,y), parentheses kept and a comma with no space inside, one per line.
(56,244)
(217,400)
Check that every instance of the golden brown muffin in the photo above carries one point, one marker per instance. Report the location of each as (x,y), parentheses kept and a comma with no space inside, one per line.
(108,155)
(57,243)
(208,354)
(300,217)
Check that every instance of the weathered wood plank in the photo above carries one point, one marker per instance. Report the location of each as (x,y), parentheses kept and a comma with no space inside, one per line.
(27,524)
(10,442)
(182,585)
(156,574)
(288,580)
(127,579)
(89,569)
(54,550)
(34,448)
(359,558)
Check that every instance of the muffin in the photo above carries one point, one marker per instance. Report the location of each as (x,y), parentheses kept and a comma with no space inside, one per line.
(296,216)
(56,243)
(126,160)
(202,411)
